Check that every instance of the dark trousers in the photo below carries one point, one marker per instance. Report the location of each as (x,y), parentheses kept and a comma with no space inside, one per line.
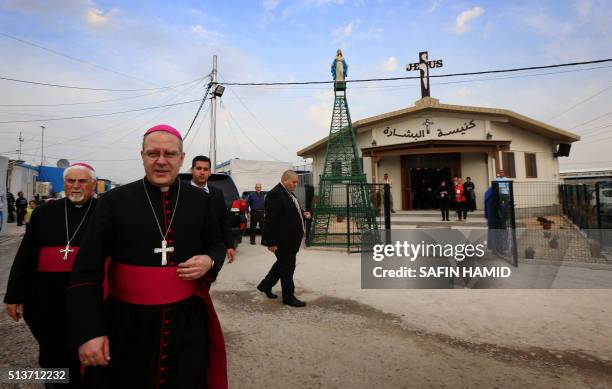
(20,216)
(257,217)
(283,269)
(444,207)
(461,210)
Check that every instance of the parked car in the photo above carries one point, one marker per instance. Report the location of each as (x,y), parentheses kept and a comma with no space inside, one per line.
(236,206)
(245,196)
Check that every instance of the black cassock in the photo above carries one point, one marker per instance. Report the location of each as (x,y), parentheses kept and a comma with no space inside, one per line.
(150,345)
(43,293)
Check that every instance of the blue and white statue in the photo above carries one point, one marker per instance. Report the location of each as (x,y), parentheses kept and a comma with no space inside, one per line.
(339,68)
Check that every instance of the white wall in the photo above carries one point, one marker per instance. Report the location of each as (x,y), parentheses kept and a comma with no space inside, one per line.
(528,142)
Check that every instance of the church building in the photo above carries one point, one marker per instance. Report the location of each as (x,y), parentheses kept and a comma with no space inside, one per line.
(429,142)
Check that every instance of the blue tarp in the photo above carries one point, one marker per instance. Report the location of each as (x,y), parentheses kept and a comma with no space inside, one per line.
(54,175)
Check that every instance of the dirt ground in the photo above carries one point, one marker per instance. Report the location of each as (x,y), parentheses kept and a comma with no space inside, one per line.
(350,338)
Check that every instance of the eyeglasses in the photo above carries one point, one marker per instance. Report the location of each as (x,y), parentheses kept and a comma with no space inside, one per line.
(156,154)
(82,181)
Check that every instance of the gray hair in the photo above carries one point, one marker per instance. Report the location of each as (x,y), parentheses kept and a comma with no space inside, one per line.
(288,174)
(92,174)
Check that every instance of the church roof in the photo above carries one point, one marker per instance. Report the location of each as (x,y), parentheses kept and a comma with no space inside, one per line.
(429,104)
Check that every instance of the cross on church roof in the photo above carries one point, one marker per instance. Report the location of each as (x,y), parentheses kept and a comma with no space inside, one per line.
(424,65)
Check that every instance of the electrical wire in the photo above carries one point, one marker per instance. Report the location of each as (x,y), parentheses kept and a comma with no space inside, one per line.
(418,77)
(99,114)
(95,89)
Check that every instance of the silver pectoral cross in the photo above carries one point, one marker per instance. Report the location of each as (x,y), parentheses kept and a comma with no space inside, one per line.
(66,251)
(163,250)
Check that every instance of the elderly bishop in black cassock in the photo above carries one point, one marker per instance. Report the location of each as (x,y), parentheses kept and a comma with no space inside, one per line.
(39,276)
(157,327)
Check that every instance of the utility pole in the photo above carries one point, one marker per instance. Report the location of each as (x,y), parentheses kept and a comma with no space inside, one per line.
(20,142)
(42,146)
(213,117)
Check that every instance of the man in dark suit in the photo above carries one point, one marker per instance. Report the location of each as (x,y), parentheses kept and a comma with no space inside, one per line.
(200,171)
(283,232)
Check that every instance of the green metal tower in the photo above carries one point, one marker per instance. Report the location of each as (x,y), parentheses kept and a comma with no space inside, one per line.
(342,211)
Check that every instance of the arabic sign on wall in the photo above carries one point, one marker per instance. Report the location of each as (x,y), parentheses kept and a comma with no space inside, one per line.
(429,128)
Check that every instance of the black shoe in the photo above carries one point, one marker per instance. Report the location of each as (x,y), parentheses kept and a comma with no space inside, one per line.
(294,302)
(268,293)
(253,243)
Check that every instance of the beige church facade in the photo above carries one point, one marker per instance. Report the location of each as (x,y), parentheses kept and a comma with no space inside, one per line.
(429,142)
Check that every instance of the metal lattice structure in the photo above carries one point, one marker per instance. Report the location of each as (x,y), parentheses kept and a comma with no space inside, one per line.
(342,191)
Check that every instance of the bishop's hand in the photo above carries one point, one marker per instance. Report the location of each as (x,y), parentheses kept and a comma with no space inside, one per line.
(15,311)
(195,267)
(95,352)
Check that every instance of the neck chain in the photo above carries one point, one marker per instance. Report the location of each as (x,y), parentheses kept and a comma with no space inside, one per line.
(164,249)
(69,238)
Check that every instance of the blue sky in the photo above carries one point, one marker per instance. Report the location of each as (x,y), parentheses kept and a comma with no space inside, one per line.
(147,44)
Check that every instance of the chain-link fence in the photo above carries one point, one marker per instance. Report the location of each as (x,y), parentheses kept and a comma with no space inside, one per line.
(351,210)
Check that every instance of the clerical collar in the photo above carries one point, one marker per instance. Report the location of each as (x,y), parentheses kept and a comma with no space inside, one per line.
(172,187)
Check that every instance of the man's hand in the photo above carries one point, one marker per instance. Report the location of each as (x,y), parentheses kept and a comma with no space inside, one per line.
(231,255)
(15,311)
(248,215)
(195,267)
(306,215)
(95,352)
(273,248)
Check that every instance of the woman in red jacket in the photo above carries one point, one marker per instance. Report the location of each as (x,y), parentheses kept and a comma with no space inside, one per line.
(460,199)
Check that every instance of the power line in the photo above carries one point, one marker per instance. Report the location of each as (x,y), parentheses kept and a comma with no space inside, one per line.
(592,120)
(92,102)
(89,63)
(96,89)
(99,114)
(579,103)
(245,135)
(254,117)
(418,77)
(198,111)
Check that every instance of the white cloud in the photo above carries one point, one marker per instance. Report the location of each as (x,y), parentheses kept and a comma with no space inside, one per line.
(465,17)
(345,31)
(389,65)
(96,17)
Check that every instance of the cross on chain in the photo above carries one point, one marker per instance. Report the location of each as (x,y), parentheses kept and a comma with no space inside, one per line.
(164,250)
(66,251)
(424,65)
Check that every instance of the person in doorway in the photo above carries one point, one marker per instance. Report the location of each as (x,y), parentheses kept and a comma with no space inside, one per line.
(460,200)
(387,180)
(444,193)
(470,194)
